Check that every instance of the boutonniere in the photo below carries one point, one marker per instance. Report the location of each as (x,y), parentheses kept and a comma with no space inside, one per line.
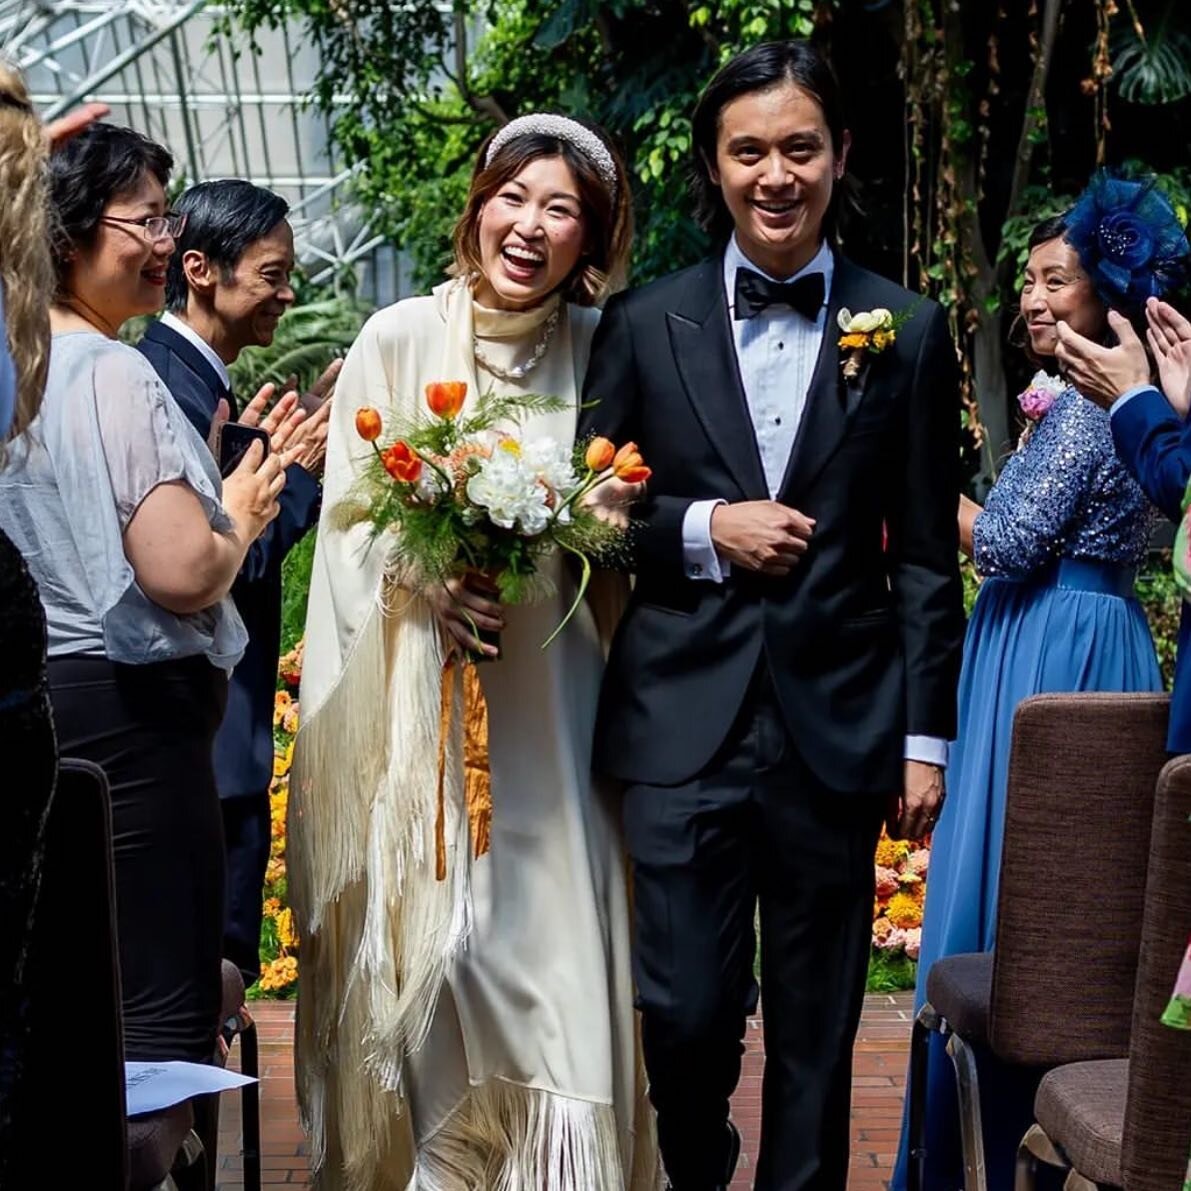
(1036,399)
(869,332)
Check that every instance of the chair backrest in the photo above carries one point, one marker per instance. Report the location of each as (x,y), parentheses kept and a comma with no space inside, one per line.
(1157,1136)
(74,1102)
(1082,773)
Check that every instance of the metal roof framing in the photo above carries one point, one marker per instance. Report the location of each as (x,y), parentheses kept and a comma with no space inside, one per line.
(166,69)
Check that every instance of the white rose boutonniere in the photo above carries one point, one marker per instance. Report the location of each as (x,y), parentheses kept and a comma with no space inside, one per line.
(868,331)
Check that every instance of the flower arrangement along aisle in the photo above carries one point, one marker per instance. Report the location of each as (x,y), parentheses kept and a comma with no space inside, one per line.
(279,939)
(901,868)
(464,497)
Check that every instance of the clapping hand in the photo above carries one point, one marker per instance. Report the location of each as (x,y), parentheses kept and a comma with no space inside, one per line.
(58,132)
(1169,336)
(314,397)
(280,423)
(1102,374)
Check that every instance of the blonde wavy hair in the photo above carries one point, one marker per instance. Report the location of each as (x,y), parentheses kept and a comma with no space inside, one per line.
(26,264)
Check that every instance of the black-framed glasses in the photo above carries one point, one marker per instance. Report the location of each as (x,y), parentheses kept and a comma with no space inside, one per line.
(155,227)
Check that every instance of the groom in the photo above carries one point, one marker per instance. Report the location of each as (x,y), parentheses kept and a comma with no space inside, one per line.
(785,673)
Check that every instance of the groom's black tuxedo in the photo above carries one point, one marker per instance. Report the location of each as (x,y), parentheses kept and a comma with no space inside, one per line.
(760,723)
(862,641)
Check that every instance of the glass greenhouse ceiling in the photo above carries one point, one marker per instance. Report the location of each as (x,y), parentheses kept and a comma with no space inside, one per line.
(160,67)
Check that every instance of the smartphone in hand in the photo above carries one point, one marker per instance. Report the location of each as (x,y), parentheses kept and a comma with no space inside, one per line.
(234,440)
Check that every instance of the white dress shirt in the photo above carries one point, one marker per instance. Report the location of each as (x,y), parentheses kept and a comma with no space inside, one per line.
(204,348)
(777,350)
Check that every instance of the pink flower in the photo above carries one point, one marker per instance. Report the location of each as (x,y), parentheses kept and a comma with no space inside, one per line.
(887,882)
(913,942)
(895,940)
(1040,395)
(918,862)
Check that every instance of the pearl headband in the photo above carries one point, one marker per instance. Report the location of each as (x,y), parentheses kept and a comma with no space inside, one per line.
(571,131)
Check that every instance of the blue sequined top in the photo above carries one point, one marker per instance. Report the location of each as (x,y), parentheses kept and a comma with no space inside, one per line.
(1065,494)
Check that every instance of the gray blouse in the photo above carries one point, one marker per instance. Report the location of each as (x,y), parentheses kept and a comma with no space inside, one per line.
(108,433)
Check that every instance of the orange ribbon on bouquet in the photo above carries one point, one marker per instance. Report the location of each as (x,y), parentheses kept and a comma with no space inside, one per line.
(477,768)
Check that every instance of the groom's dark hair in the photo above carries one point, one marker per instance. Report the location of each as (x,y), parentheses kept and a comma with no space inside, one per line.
(762,68)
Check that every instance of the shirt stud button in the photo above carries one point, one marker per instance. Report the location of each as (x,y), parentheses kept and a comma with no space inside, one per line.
(696,568)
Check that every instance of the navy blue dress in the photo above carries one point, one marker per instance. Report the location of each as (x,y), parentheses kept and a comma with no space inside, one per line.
(1058,543)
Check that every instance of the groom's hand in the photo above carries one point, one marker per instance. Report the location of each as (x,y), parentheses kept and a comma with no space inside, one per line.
(921,802)
(760,535)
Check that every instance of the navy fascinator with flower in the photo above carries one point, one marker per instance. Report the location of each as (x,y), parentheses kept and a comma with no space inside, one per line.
(1129,240)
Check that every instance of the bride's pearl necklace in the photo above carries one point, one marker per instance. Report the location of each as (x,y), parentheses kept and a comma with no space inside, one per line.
(520,371)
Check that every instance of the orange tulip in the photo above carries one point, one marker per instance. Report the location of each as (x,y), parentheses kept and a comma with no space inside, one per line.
(403,463)
(368,425)
(445,397)
(628,465)
(600,453)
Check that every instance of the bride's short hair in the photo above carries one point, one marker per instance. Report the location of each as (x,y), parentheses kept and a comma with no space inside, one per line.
(608,214)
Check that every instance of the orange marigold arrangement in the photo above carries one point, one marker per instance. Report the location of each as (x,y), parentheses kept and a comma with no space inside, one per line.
(279,939)
(901,868)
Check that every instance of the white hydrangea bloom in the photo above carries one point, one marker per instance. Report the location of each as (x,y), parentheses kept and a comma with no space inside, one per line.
(552,461)
(511,493)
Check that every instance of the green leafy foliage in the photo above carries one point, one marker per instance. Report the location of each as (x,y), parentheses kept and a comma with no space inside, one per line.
(1153,66)
(295,590)
(1163,607)
(307,339)
(428,83)
(890,971)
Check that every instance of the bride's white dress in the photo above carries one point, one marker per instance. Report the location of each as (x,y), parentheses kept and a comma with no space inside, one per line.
(477,1032)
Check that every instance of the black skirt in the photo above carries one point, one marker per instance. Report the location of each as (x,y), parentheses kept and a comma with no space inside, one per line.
(151,730)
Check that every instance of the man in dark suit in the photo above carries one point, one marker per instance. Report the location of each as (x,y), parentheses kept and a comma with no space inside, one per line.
(785,674)
(1152,436)
(227,286)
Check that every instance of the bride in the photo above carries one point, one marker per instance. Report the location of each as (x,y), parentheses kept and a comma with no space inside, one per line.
(477,1032)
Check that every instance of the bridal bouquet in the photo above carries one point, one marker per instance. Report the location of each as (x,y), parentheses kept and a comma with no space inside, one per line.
(466,497)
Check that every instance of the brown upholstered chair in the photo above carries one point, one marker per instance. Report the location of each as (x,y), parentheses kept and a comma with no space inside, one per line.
(1058,986)
(73,984)
(73,947)
(1127,1122)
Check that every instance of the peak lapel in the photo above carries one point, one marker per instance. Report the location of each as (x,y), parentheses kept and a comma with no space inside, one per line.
(705,355)
(830,402)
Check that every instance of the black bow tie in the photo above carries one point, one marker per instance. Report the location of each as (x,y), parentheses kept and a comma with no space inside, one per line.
(754,293)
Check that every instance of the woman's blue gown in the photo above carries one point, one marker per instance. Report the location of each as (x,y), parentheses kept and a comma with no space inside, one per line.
(1058,543)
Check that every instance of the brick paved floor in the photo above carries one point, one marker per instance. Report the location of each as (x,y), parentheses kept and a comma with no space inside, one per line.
(878,1080)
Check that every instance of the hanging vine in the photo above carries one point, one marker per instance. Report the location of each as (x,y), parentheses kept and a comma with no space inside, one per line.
(1096,84)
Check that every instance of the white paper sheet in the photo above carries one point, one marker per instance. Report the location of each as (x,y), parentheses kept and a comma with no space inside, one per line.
(150,1087)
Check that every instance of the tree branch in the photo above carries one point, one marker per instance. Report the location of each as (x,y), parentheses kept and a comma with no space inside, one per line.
(1032,120)
(484,105)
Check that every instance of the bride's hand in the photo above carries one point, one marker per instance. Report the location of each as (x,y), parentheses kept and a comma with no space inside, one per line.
(454,602)
(610,501)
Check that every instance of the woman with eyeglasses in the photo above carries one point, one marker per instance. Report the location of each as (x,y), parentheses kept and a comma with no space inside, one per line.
(133,539)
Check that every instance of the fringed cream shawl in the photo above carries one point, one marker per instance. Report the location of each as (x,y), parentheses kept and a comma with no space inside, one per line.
(382,940)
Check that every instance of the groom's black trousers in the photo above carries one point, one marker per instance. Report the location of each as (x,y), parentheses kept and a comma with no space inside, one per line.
(755,826)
